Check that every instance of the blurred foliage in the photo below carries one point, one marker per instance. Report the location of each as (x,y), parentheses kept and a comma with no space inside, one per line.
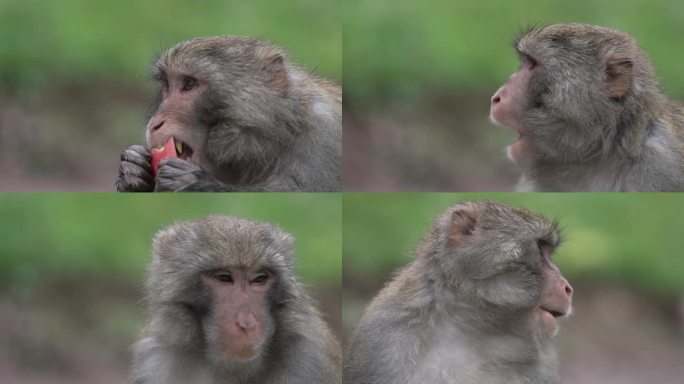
(73,40)
(634,239)
(402,48)
(110,234)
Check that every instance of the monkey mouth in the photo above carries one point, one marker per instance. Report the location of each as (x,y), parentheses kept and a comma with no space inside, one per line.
(548,319)
(553,313)
(183,150)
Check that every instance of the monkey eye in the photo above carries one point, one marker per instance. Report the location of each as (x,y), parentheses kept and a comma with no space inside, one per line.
(223,276)
(189,83)
(529,62)
(164,84)
(544,248)
(259,278)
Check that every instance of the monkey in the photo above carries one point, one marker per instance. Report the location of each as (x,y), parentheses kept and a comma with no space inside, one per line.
(589,114)
(224,306)
(478,304)
(244,118)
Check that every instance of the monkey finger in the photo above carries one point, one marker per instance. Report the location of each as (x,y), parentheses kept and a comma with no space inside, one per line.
(177,175)
(132,184)
(142,159)
(134,170)
(133,177)
(141,150)
(178,164)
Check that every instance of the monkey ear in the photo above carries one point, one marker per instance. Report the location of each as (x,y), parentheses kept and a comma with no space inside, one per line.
(618,76)
(276,72)
(462,226)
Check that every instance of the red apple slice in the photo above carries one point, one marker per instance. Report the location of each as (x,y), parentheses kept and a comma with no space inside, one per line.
(158,154)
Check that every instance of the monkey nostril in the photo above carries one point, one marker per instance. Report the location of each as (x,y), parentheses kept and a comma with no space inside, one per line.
(157,126)
(568,289)
(246,323)
(496,99)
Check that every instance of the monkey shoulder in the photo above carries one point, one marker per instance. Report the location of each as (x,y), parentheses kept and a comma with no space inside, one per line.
(660,166)
(315,170)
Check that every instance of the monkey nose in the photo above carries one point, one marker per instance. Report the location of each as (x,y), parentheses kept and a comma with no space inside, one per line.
(155,123)
(246,321)
(568,289)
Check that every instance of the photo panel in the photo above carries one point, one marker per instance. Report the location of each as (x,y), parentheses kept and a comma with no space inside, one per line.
(79,287)
(432,103)
(248,91)
(435,286)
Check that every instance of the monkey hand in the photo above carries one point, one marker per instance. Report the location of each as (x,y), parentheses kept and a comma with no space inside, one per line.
(177,175)
(135,170)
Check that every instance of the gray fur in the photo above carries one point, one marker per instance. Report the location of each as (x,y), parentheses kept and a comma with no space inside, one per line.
(267,124)
(461,314)
(581,138)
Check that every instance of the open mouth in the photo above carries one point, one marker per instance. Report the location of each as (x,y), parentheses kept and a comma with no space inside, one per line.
(172,148)
(183,150)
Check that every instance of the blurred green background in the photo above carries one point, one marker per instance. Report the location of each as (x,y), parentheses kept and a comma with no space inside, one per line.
(622,254)
(418,77)
(72,268)
(74,88)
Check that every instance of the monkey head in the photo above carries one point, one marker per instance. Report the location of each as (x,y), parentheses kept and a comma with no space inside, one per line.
(226,100)
(222,281)
(581,92)
(497,260)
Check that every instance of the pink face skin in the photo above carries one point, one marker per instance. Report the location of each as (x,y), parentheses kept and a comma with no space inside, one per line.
(240,302)
(174,117)
(507,106)
(556,298)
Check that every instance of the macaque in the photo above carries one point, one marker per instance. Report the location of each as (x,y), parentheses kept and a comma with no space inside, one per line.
(243,117)
(589,114)
(224,306)
(478,305)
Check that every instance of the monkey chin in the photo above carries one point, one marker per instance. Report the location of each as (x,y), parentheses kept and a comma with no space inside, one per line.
(516,151)
(238,360)
(239,353)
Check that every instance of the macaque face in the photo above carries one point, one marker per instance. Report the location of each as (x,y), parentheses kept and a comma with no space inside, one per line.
(240,321)
(175,116)
(509,102)
(504,256)
(556,299)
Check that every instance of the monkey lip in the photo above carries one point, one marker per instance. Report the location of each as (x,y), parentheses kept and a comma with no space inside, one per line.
(183,150)
(548,319)
(552,312)
(245,354)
